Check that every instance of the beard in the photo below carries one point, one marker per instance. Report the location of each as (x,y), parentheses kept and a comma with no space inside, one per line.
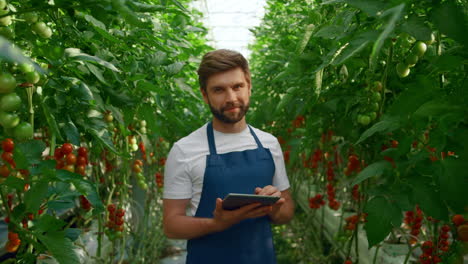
(236,117)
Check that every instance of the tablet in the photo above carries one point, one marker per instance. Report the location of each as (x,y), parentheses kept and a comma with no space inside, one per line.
(236,200)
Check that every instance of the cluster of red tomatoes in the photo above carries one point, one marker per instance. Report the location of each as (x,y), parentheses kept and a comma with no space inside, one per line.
(115,222)
(67,160)
(414,220)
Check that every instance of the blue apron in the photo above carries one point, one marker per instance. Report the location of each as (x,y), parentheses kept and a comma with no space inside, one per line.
(249,241)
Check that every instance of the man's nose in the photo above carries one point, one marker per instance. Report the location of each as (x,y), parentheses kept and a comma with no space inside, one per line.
(230,95)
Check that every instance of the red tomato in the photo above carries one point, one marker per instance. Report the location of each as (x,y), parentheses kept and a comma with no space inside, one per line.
(4,171)
(81,161)
(8,145)
(67,148)
(82,151)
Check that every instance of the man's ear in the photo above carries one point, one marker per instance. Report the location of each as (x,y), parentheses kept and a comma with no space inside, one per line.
(204,94)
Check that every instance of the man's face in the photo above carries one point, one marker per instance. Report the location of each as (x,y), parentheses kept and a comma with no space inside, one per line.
(227,93)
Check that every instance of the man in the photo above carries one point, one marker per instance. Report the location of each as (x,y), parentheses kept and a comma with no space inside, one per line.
(224,156)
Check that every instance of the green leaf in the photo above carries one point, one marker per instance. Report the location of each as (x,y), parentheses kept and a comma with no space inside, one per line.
(32,151)
(395,14)
(413,97)
(10,53)
(103,136)
(355,46)
(51,120)
(437,107)
(89,190)
(415,27)
(371,7)
(48,223)
(373,170)
(35,196)
(15,183)
(451,21)
(72,133)
(387,125)
(454,183)
(147,86)
(95,22)
(130,17)
(380,215)
(174,68)
(305,39)
(78,55)
(60,247)
(96,72)
(330,32)
(73,233)
(428,198)
(446,63)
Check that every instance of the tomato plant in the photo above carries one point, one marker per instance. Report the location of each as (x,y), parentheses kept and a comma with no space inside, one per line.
(375,73)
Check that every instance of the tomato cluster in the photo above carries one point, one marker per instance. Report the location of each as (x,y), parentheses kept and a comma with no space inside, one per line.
(13,242)
(414,55)
(67,160)
(84,203)
(7,156)
(414,220)
(353,220)
(159,179)
(115,222)
(316,202)
(353,165)
(355,195)
(138,170)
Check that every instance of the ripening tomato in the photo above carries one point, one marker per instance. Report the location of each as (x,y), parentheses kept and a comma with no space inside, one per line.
(4,171)
(81,169)
(8,145)
(67,148)
(70,159)
(69,167)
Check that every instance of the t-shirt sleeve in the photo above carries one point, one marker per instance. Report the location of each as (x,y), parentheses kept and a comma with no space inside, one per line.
(280,179)
(177,181)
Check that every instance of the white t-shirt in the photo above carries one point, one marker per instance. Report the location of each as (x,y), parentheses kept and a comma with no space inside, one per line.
(186,162)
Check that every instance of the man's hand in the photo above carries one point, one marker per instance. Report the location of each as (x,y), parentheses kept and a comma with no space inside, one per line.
(226,218)
(270,190)
(283,210)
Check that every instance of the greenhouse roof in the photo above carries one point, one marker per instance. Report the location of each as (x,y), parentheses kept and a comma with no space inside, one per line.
(229,22)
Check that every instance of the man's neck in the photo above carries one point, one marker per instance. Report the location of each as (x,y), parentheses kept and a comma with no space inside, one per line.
(229,128)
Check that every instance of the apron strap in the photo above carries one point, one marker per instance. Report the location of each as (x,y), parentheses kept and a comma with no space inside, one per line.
(214,158)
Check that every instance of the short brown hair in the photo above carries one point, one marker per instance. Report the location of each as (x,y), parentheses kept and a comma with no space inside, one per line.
(220,61)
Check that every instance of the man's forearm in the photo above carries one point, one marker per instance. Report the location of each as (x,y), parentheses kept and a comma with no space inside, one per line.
(284,214)
(188,227)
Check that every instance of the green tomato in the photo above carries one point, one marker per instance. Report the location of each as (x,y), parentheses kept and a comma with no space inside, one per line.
(47,33)
(26,67)
(23,131)
(32,77)
(376,97)
(402,70)
(9,120)
(7,83)
(134,147)
(412,59)
(364,120)
(31,17)
(3,4)
(143,123)
(143,130)
(420,48)
(10,102)
(41,29)
(373,115)
(5,21)
(6,32)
